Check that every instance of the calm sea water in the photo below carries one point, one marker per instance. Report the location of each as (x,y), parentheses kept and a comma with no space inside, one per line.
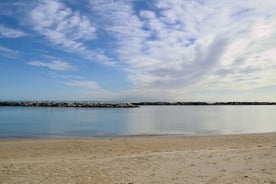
(18,122)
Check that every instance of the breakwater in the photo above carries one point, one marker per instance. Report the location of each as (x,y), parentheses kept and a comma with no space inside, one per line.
(70,104)
(204,103)
(125,105)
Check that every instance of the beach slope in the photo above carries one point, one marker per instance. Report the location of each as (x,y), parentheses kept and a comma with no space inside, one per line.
(163,159)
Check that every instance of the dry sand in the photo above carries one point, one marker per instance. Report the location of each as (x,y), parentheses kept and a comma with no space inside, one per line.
(208,159)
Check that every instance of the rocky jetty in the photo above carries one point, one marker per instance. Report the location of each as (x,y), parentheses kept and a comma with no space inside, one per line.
(244,103)
(204,103)
(125,105)
(170,103)
(70,104)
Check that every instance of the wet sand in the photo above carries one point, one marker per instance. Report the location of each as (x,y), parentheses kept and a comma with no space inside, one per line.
(147,159)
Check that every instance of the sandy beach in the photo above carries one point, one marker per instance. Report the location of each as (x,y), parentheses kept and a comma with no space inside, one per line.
(147,159)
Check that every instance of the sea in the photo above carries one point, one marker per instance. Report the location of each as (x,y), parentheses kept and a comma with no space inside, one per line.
(64,122)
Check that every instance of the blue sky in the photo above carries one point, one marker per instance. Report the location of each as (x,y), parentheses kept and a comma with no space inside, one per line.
(140,50)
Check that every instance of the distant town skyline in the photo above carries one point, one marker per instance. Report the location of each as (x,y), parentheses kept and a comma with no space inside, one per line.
(140,50)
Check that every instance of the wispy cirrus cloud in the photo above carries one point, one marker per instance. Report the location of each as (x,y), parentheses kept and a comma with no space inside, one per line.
(66,28)
(61,25)
(185,45)
(53,65)
(9,53)
(10,33)
(121,23)
(166,48)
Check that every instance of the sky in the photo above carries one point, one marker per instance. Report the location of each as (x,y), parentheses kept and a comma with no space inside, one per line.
(138,50)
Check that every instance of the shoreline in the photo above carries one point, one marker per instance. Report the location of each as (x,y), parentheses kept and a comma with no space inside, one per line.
(129,136)
(238,158)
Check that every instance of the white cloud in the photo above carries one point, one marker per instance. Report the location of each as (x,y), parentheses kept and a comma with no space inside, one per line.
(60,23)
(8,52)
(147,14)
(122,23)
(53,65)
(171,46)
(66,28)
(187,45)
(10,33)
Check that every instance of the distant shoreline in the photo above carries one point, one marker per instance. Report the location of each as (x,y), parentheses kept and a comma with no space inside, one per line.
(123,105)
